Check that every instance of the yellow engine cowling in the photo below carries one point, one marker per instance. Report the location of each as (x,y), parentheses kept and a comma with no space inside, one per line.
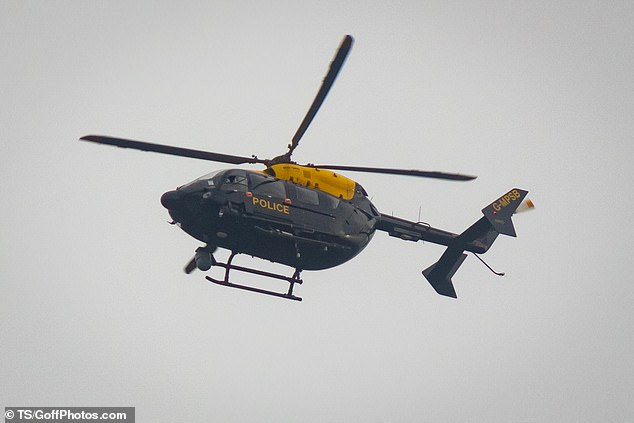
(324,180)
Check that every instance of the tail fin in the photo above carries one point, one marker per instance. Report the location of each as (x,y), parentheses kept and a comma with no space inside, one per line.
(478,238)
(440,273)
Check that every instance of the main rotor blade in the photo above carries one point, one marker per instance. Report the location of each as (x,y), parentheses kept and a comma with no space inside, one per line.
(175,151)
(406,172)
(335,67)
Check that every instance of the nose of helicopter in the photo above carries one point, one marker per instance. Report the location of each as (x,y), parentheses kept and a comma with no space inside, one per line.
(171,200)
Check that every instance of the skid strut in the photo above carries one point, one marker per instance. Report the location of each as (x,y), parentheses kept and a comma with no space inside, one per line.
(292,280)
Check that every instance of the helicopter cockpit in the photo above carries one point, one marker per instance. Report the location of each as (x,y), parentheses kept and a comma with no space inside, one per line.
(236,180)
(210,178)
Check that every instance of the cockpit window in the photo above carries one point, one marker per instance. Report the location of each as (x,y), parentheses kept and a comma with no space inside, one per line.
(234,180)
(211,179)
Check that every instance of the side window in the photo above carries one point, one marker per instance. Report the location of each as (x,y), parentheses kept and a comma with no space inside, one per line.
(329,200)
(267,186)
(307,196)
(235,181)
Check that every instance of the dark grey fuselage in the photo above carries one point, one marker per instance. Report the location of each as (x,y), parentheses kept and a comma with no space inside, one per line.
(256,214)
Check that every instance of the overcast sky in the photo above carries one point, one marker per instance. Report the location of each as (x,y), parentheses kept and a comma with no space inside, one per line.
(95,309)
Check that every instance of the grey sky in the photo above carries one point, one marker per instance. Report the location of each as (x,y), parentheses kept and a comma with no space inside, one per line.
(94,306)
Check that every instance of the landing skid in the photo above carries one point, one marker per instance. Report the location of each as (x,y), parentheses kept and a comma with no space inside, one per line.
(292,280)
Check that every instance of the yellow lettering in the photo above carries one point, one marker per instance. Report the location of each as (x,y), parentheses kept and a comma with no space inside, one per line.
(270,205)
(505,200)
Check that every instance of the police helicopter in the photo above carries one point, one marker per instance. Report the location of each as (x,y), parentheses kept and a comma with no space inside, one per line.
(307,216)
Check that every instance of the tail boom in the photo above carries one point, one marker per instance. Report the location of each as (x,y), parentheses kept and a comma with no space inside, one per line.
(477,239)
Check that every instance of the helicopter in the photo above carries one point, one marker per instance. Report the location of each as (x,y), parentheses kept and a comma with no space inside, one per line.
(307,216)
